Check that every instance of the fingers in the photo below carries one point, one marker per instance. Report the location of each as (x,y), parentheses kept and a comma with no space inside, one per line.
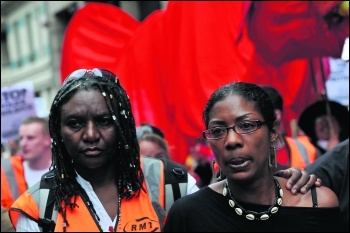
(299,180)
(318,182)
(295,178)
(311,182)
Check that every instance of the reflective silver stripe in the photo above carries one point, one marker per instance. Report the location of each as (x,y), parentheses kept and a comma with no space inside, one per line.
(43,196)
(169,196)
(10,176)
(303,151)
(152,172)
(169,200)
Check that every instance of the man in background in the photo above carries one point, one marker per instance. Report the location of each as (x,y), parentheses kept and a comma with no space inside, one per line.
(23,170)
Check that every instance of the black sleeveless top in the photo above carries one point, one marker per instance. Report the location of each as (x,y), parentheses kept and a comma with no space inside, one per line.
(209,211)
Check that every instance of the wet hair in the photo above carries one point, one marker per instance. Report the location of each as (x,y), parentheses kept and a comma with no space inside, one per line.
(155,138)
(129,176)
(251,93)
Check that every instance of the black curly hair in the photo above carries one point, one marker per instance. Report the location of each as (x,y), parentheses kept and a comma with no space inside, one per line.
(129,176)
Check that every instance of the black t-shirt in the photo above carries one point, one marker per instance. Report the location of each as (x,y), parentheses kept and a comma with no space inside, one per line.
(209,211)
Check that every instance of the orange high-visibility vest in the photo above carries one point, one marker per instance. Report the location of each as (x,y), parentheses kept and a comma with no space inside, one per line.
(143,214)
(302,152)
(13,183)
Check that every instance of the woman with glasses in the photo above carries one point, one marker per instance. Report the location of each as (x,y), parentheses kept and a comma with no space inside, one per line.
(97,181)
(241,130)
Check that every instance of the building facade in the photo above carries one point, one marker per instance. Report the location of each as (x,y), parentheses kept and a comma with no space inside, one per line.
(31,40)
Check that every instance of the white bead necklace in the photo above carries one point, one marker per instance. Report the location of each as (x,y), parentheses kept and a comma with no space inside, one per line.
(252,215)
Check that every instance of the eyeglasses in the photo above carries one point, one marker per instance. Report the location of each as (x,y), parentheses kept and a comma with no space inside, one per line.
(243,127)
(98,72)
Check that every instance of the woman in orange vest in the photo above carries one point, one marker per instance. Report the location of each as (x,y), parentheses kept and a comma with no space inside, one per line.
(98,181)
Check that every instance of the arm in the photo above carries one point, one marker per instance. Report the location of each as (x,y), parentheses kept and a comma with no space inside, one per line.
(298,180)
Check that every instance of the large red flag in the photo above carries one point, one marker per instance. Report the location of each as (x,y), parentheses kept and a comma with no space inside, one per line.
(286,30)
(172,62)
(95,37)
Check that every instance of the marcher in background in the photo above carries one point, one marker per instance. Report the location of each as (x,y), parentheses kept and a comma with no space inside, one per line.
(9,147)
(333,169)
(199,162)
(99,181)
(145,128)
(293,151)
(242,132)
(21,171)
(325,131)
(14,146)
(153,145)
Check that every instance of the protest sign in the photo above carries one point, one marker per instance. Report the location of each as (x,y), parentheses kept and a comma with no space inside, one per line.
(17,103)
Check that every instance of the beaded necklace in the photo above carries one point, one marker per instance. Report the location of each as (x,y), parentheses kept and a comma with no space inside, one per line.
(252,215)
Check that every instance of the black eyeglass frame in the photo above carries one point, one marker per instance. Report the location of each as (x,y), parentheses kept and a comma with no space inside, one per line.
(258,124)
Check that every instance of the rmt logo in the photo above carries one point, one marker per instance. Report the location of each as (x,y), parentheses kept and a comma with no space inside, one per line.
(142,225)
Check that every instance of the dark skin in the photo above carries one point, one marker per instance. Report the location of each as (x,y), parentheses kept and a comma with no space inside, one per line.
(89,135)
(243,158)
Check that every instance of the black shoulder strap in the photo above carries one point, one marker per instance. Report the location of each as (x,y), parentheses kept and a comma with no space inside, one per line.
(175,178)
(46,203)
(314,197)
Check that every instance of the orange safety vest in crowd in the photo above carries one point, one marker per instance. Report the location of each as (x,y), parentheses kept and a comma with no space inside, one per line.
(302,152)
(144,213)
(13,183)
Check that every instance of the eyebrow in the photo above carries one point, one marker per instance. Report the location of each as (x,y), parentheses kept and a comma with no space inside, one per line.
(239,118)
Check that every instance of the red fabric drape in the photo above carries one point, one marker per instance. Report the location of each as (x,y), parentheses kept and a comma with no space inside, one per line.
(287,30)
(172,62)
(95,37)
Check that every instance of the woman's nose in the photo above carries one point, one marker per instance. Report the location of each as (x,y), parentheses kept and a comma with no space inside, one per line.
(91,132)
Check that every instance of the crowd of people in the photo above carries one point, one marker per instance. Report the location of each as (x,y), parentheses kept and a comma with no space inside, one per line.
(90,161)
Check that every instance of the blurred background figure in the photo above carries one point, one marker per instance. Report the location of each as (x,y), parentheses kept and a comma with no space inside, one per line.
(198,162)
(14,146)
(10,147)
(153,145)
(145,128)
(152,141)
(295,151)
(23,170)
(325,131)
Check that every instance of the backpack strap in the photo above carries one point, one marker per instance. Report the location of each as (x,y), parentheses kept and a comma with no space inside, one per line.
(175,182)
(176,178)
(47,213)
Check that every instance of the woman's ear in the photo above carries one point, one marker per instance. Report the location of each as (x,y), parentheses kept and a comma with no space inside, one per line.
(274,133)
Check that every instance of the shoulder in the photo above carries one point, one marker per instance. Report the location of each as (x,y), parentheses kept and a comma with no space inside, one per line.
(326,197)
